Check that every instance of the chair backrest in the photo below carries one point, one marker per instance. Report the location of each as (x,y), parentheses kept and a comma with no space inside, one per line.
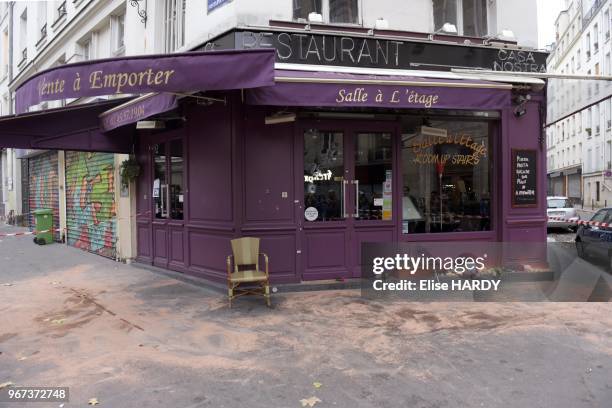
(246,251)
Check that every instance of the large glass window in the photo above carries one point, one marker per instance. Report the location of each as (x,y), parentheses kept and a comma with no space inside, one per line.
(373,176)
(446,171)
(324,186)
(302,8)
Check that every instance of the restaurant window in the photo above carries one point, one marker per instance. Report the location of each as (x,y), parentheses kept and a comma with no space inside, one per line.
(174,35)
(324,186)
(374,172)
(469,16)
(446,175)
(168,194)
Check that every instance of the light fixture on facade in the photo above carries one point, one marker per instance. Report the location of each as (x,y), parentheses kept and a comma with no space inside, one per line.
(447,28)
(503,35)
(315,17)
(280,117)
(150,124)
(381,24)
(521,108)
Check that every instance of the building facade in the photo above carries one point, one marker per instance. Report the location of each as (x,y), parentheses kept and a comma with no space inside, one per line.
(579,139)
(358,132)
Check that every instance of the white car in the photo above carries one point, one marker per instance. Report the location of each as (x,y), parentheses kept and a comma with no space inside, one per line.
(561,207)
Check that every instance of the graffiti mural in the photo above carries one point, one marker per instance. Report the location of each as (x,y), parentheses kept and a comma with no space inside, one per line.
(90,202)
(43,187)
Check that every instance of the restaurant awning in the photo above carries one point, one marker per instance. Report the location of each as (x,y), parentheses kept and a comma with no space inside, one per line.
(342,89)
(160,77)
(75,127)
(137,109)
(185,72)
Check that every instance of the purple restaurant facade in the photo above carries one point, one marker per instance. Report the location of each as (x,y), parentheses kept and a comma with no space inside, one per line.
(320,158)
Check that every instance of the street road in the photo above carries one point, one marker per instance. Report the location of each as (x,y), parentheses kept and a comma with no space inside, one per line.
(130,337)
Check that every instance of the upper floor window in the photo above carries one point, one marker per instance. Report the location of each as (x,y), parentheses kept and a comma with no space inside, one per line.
(607,25)
(343,11)
(596,37)
(23,37)
(118,34)
(174,35)
(302,8)
(333,11)
(588,46)
(469,16)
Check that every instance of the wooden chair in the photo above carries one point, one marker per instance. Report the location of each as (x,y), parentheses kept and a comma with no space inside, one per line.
(246,270)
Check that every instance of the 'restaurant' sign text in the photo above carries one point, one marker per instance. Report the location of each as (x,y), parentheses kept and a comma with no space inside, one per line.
(372,52)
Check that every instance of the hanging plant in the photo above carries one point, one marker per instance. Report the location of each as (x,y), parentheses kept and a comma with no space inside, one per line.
(130,170)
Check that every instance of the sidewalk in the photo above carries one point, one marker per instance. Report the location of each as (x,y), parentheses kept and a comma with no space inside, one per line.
(133,338)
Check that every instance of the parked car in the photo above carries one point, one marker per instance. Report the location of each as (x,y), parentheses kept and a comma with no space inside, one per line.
(596,241)
(561,207)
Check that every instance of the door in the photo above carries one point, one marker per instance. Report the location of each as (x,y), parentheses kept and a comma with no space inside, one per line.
(348,195)
(168,197)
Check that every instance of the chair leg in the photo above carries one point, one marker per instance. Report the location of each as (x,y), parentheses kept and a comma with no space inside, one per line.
(230,295)
(267,295)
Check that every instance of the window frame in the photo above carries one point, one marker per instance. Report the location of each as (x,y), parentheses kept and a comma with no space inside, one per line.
(325,13)
(460,24)
(116,47)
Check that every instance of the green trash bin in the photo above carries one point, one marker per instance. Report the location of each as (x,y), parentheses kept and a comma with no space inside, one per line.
(44,222)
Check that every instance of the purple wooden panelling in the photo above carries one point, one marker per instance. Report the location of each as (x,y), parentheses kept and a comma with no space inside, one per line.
(268,162)
(209,164)
(208,250)
(280,247)
(177,250)
(325,250)
(144,238)
(519,223)
(160,244)
(368,235)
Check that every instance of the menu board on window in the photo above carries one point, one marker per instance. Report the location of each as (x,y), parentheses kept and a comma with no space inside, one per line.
(524,178)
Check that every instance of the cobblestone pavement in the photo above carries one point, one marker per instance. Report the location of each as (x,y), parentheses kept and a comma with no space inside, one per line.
(133,338)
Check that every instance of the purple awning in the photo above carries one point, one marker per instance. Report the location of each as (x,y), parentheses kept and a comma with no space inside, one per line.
(137,109)
(303,88)
(75,127)
(193,71)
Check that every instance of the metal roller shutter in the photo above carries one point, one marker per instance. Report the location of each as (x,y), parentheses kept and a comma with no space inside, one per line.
(558,186)
(90,202)
(573,185)
(44,188)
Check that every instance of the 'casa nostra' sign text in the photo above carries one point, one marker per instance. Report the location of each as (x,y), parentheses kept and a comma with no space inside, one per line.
(378,52)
